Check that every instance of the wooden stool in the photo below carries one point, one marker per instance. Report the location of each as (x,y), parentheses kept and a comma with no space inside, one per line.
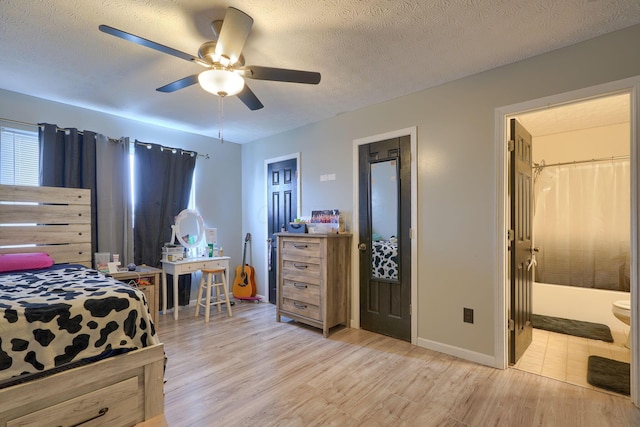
(209,285)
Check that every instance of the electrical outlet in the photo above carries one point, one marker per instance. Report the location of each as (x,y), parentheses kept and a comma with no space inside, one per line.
(467,315)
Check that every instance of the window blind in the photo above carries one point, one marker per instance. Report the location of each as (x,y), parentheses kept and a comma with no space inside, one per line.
(19,157)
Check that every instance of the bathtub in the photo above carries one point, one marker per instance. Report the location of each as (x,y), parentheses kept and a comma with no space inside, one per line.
(570,302)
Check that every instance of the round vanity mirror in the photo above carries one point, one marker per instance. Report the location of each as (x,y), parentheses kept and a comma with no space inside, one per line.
(189,228)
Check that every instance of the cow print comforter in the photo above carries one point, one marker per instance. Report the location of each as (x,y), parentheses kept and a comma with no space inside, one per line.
(53,317)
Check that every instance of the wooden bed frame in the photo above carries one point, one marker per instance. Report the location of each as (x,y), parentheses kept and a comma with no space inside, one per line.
(121,390)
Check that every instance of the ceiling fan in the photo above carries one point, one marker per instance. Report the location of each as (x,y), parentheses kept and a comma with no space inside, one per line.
(224,61)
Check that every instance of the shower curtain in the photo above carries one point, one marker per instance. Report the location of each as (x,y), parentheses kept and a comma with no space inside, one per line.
(582,225)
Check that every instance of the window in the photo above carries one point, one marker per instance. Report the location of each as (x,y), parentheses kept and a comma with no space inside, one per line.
(19,157)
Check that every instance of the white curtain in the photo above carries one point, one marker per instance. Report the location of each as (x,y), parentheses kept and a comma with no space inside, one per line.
(115,222)
(582,225)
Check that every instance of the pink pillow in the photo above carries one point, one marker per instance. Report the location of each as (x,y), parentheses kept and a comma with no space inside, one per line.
(25,261)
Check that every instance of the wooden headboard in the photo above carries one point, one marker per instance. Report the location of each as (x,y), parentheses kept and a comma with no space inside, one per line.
(55,220)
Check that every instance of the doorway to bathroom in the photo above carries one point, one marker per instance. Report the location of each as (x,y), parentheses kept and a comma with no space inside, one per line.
(602,147)
(579,253)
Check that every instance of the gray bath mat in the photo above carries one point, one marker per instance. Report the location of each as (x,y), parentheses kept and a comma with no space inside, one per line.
(577,328)
(609,374)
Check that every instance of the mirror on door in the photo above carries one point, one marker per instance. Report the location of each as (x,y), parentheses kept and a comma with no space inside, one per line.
(384,220)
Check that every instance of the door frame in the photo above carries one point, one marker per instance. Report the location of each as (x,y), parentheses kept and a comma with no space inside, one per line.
(632,87)
(412,132)
(265,174)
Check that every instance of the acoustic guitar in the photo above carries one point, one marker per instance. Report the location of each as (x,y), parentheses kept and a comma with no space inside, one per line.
(244,285)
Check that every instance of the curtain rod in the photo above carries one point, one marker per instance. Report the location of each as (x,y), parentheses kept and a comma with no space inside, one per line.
(575,162)
(173,150)
(162,147)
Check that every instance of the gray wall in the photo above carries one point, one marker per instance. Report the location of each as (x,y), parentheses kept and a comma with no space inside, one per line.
(456,172)
(457,206)
(217,180)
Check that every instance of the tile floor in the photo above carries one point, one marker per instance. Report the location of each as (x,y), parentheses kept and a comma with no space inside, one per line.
(565,357)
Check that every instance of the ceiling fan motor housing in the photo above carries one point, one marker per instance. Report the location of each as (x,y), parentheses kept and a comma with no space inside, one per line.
(207,51)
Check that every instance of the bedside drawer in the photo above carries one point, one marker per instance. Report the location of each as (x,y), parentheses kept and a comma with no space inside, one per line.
(295,267)
(301,247)
(302,308)
(301,291)
(146,290)
(118,404)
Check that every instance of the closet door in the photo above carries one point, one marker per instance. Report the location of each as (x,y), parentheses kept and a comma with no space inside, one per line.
(282,191)
(384,239)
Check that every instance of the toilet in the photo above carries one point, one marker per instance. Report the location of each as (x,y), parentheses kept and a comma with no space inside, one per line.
(622,310)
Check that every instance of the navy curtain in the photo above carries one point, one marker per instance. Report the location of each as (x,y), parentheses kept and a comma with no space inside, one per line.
(69,160)
(162,183)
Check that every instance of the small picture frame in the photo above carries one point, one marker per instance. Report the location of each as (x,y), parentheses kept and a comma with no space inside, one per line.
(211,235)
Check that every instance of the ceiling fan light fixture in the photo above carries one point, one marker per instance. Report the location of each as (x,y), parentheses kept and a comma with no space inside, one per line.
(221,82)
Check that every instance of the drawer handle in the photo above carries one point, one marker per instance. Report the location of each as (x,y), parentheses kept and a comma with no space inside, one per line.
(300,286)
(300,306)
(300,266)
(300,246)
(101,413)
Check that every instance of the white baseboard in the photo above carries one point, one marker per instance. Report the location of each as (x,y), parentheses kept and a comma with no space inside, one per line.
(463,353)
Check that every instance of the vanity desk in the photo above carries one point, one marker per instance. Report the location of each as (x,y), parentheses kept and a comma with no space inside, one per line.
(188,266)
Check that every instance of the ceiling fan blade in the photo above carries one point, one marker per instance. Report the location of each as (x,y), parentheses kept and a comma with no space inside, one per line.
(281,74)
(235,30)
(148,43)
(250,99)
(179,84)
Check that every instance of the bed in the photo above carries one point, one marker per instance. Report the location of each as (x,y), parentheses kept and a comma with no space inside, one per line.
(75,345)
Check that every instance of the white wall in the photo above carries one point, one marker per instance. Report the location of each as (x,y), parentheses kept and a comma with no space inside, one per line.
(457,207)
(217,180)
(569,302)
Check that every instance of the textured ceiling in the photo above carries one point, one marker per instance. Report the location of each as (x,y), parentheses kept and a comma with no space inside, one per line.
(367,51)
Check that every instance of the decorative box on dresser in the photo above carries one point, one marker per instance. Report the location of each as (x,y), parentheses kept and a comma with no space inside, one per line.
(314,273)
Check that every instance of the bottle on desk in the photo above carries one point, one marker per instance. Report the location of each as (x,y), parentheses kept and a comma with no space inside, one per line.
(213,251)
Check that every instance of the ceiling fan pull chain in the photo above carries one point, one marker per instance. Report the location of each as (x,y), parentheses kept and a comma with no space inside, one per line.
(220,125)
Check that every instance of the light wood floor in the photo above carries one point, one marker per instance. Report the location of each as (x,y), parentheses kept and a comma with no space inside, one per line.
(250,370)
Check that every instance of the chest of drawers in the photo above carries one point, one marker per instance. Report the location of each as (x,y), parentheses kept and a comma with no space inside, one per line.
(314,273)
